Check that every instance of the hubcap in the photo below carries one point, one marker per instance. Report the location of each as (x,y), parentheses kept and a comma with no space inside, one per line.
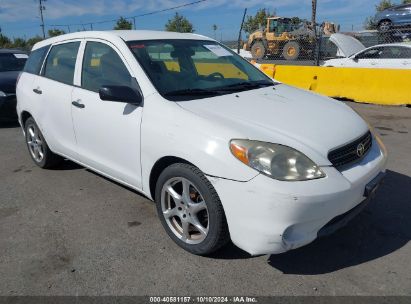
(385,26)
(291,51)
(35,143)
(184,210)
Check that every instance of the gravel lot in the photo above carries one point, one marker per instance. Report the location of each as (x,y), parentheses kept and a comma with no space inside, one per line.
(73,232)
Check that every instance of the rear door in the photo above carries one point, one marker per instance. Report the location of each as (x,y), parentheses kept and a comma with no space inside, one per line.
(26,98)
(107,133)
(396,57)
(54,89)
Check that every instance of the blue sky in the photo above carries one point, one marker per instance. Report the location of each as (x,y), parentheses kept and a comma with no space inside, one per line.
(20,18)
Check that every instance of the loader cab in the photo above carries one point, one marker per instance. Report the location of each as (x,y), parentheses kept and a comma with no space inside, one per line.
(278,26)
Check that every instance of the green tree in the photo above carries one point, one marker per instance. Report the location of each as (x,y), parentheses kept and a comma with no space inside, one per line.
(55,32)
(406,1)
(179,23)
(32,41)
(384,4)
(19,43)
(123,24)
(253,23)
(5,41)
(370,23)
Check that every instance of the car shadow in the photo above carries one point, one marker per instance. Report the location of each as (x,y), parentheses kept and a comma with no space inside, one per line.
(9,124)
(382,228)
(67,165)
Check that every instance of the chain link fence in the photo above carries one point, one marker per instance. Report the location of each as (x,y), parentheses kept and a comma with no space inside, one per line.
(315,49)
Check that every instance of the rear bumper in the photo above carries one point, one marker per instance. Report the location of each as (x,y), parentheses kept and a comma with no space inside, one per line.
(267,216)
(8,107)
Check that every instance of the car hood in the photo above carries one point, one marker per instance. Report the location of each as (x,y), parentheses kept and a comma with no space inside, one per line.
(8,81)
(347,45)
(300,119)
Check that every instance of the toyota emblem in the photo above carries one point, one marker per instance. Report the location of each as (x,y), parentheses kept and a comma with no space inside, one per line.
(360,150)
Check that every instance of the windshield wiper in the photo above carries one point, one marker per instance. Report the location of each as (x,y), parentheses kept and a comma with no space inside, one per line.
(192,92)
(249,85)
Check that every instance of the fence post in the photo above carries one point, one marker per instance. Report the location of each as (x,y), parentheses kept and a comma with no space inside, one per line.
(319,43)
(239,34)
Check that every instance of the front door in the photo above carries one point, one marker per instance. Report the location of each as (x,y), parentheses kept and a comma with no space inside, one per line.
(107,133)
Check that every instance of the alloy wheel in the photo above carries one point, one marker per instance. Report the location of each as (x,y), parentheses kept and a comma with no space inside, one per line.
(35,143)
(185,210)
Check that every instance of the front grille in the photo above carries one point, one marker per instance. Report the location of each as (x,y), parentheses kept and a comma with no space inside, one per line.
(349,153)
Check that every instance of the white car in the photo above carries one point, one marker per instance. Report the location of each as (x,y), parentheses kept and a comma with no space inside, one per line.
(354,54)
(225,151)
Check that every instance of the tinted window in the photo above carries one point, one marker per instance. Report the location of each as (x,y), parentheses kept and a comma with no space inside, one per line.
(396,52)
(35,61)
(61,62)
(12,62)
(103,66)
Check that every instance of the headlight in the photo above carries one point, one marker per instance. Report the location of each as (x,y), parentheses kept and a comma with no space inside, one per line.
(277,161)
(2,94)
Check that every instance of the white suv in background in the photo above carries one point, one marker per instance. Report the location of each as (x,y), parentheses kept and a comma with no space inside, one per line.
(225,151)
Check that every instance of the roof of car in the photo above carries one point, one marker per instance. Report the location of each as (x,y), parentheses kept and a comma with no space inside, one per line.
(406,44)
(127,35)
(12,51)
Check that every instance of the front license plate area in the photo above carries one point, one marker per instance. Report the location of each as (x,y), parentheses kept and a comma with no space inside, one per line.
(373,185)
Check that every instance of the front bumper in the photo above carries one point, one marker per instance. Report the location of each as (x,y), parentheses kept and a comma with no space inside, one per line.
(267,216)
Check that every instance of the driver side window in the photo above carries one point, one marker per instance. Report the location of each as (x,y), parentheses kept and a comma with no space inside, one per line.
(102,66)
(374,53)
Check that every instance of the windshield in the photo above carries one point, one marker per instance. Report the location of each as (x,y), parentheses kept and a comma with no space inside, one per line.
(12,62)
(191,69)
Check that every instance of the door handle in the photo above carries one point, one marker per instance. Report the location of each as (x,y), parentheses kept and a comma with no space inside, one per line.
(37,91)
(77,104)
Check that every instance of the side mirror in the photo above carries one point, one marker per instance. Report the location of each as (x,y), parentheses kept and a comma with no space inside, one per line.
(120,94)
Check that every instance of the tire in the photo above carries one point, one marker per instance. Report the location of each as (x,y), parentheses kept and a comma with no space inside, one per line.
(258,50)
(200,208)
(37,146)
(384,26)
(291,50)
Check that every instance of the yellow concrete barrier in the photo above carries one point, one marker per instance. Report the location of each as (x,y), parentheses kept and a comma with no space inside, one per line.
(379,86)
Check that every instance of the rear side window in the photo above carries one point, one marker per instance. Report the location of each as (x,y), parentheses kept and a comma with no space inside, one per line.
(12,61)
(61,62)
(103,66)
(35,61)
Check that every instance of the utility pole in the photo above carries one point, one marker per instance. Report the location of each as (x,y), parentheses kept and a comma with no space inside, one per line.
(313,12)
(134,22)
(42,8)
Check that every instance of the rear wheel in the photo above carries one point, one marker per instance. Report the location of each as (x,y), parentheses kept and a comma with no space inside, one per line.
(190,210)
(291,50)
(39,151)
(258,50)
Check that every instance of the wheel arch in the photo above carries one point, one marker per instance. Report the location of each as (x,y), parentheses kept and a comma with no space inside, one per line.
(159,167)
(24,116)
(385,19)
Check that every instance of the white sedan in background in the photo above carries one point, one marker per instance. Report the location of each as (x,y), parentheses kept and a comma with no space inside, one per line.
(355,54)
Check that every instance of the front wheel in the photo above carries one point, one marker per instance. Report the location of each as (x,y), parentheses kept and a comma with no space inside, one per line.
(190,210)
(258,50)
